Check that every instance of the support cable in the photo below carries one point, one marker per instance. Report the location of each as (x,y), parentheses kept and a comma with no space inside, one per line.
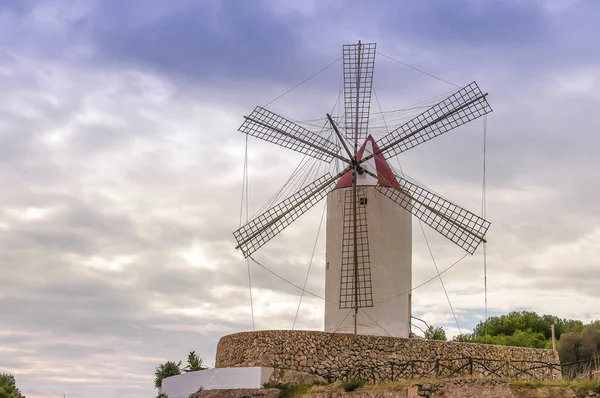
(483,215)
(312,167)
(377,323)
(309,266)
(421,225)
(335,302)
(438,274)
(319,230)
(426,282)
(288,282)
(245,191)
(303,81)
(343,320)
(417,69)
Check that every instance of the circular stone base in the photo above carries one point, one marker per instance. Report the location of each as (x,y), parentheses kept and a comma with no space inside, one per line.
(338,355)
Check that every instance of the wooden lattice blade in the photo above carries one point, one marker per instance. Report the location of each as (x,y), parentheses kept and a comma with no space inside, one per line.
(467,230)
(268,126)
(359,65)
(348,297)
(258,231)
(466,104)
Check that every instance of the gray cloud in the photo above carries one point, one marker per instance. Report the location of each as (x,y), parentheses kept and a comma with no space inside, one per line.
(121,172)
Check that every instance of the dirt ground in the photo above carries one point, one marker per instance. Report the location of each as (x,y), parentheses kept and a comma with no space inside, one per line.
(456,388)
(460,389)
(502,390)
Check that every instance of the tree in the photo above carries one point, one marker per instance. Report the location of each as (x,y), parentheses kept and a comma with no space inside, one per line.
(194,363)
(520,329)
(437,333)
(165,370)
(528,329)
(8,387)
(580,344)
(529,321)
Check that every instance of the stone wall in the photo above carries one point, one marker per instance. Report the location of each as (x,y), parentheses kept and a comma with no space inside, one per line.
(337,356)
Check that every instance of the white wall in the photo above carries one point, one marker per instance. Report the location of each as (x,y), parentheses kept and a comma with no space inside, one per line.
(390,245)
(181,386)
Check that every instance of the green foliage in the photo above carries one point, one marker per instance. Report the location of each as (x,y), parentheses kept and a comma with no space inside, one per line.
(437,333)
(576,341)
(521,329)
(168,369)
(352,385)
(288,391)
(520,338)
(508,324)
(165,370)
(581,388)
(194,363)
(581,344)
(584,388)
(8,387)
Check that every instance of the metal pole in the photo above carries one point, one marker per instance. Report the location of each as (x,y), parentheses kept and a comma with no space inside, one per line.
(355,258)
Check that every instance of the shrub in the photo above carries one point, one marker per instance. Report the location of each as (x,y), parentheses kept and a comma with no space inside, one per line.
(165,370)
(352,385)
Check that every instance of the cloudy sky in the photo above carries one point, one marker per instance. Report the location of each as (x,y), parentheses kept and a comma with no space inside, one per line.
(121,169)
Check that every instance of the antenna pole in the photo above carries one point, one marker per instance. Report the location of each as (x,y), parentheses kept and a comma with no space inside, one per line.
(354,194)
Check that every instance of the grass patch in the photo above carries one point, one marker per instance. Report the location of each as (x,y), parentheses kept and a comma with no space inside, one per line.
(581,388)
(352,385)
(398,385)
(558,383)
(287,391)
(536,384)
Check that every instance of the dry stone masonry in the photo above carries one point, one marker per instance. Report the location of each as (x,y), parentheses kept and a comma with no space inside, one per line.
(337,356)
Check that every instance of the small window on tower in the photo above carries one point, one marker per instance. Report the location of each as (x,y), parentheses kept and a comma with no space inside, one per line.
(363,201)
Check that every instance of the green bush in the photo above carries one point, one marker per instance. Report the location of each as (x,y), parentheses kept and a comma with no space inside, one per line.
(194,363)
(287,391)
(165,370)
(170,368)
(352,385)
(435,333)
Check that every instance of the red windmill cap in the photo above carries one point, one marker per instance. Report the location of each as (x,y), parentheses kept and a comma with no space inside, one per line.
(382,168)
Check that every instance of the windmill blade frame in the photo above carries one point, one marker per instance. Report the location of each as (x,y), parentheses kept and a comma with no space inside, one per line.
(271,127)
(356,289)
(465,105)
(264,227)
(358,70)
(462,227)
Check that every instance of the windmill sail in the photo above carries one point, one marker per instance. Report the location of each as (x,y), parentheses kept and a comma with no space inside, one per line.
(258,231)
(466,104)
(465,229)
(356,289)
(359,66)
(269,126)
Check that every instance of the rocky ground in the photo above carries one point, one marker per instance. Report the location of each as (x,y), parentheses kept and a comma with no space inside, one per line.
(455,388)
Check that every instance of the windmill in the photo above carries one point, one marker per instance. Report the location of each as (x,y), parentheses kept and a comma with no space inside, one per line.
(369,206)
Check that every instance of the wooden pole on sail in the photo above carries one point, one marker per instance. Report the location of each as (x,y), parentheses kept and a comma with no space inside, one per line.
(354,194)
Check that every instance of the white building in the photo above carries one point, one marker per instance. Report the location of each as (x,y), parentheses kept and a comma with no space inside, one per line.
(389,234)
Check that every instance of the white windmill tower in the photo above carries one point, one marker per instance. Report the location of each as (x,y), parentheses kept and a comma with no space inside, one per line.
(369,238)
